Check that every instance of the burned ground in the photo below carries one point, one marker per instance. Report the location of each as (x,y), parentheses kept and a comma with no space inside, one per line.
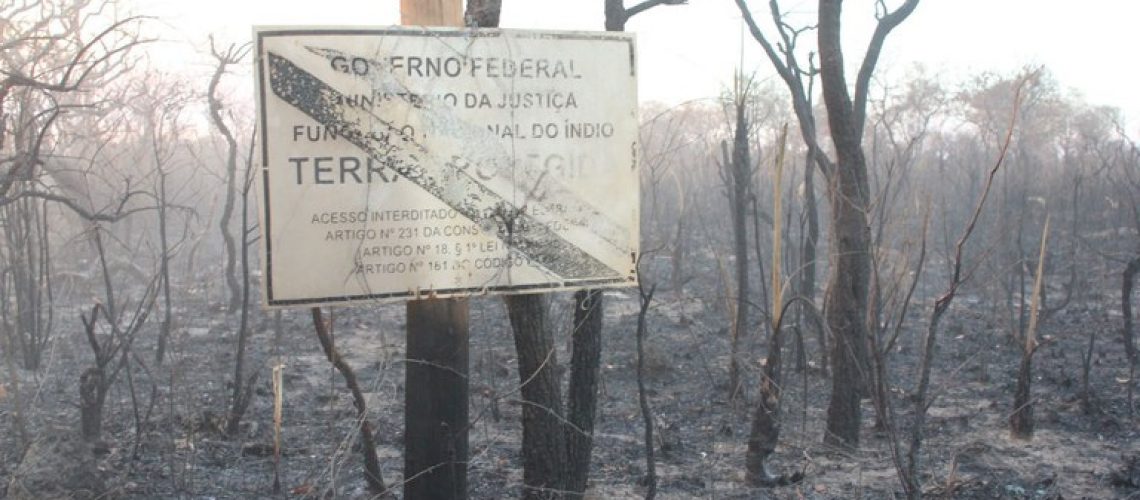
(178,450)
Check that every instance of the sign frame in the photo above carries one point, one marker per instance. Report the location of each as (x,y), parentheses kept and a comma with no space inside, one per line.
(265,89)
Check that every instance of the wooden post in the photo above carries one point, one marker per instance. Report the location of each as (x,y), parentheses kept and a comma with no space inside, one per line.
(431,12)
(435,400)
(435,381)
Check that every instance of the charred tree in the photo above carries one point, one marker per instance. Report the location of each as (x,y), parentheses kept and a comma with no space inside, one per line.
(543,442)
(849,283)
(808,245)
(848,192)
(164,266)
(642,397)
(582,405)
(1021,421)
(1129,279)
(740,179)
(243,388)
(232,55)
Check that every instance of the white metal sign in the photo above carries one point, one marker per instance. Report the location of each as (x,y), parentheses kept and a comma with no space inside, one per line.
(399,163)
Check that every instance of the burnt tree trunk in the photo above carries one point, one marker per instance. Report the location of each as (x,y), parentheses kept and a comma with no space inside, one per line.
(740,177)
(1021,420)
(1126,308)
(807,283)
(91,397)
(483,13)
(765,432)
(643,398)
(164,270)
(543,443)
(582,402)
(215,108)
(848,192)
(243,389)
(847,291)
(811,239)
(556,445)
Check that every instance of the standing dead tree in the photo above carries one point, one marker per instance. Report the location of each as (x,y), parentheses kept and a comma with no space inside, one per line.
(848,189)
(230,56)
(736,173)
(642,397)
(1021,418)
(543,443)
(1128,279)
(1128,275)
(243,386)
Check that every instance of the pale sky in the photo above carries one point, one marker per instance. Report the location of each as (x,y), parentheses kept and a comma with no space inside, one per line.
(690,51)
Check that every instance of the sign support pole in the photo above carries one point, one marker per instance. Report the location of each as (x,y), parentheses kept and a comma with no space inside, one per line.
(435,380)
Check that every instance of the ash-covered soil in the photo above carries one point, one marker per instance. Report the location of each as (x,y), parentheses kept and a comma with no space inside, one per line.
(162,422)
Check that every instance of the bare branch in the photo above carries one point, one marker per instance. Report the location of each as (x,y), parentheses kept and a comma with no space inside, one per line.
(119,213)
(648,4)
(785,67)
(887,23)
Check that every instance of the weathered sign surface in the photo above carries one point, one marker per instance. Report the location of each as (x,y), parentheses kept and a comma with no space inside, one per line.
(399,163)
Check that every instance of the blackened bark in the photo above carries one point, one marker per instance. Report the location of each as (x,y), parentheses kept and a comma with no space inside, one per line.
(847,293)
(582,401)
(483,13)
(91,396)
(643,398)
(242,392)
(164,267)
(1126,308)
(215,108)
(543,444)
(1021,420)
(765,432)
(1086,368)
(811,239)
(615,15)
(741,178)
(808,258)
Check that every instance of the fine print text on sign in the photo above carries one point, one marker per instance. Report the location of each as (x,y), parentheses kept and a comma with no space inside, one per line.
(401,163)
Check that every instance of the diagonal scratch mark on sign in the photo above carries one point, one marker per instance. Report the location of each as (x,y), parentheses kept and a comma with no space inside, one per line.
(600,224)
(393,149)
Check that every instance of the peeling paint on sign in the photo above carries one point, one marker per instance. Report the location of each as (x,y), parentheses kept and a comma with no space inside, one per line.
(398,163)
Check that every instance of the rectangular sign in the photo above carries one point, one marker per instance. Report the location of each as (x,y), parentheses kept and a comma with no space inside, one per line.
(402,163)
